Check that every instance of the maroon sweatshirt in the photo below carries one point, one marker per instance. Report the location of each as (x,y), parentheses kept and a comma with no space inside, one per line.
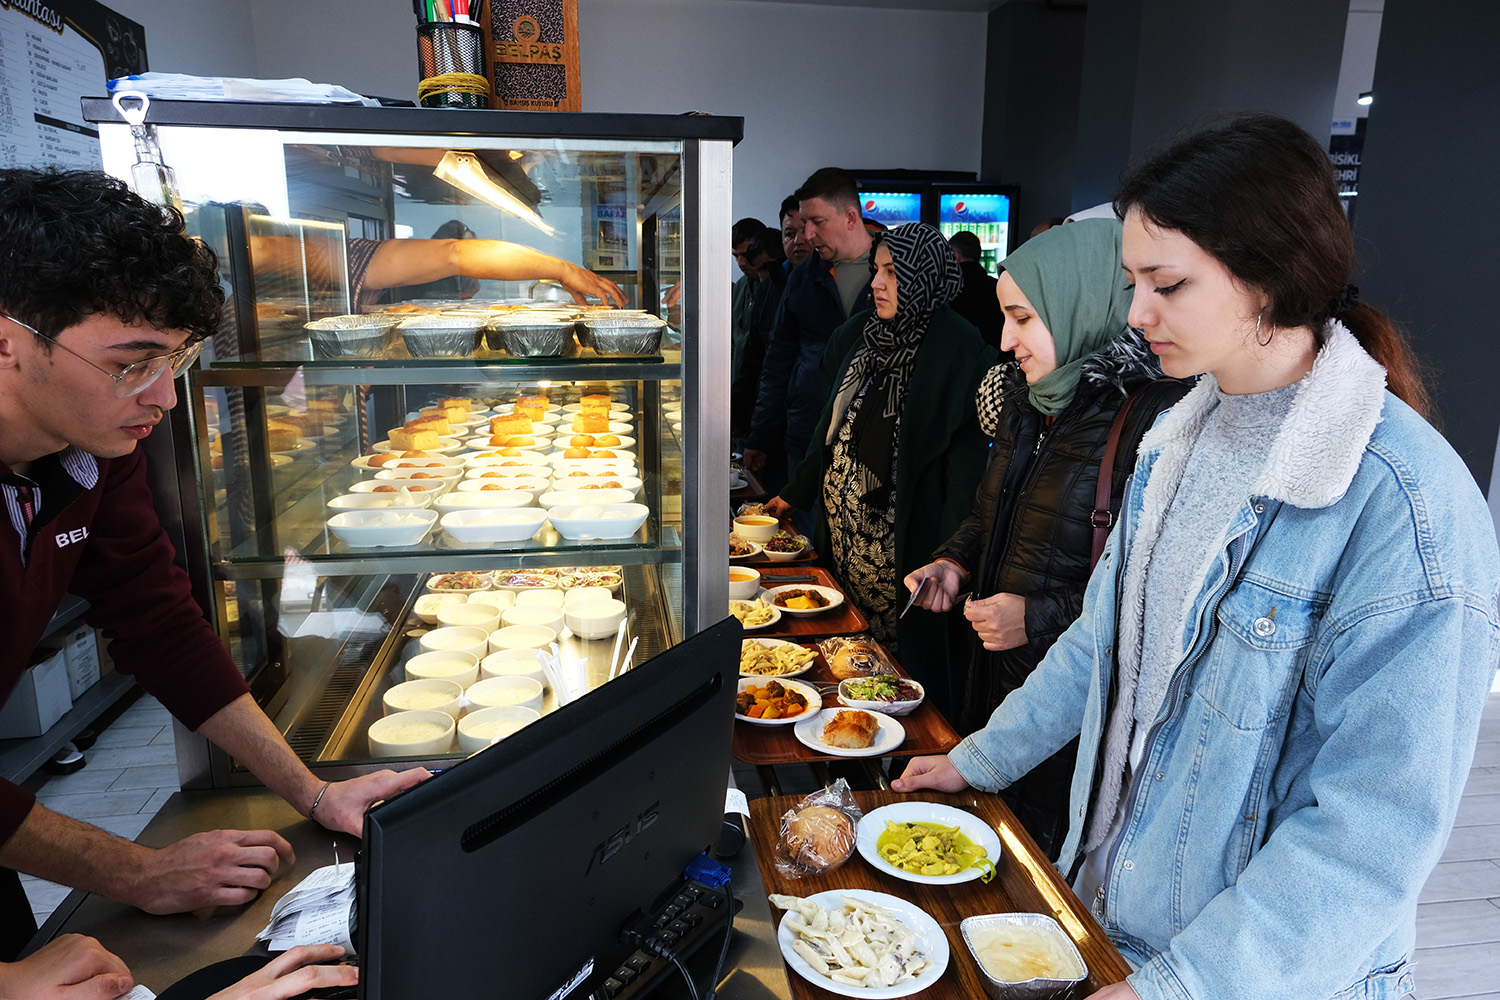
(95,534)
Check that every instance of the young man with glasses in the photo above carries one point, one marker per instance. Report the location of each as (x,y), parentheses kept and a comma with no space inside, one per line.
(103,301)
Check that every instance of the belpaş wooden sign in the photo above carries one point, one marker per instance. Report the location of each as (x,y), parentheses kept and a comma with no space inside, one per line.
(533,53)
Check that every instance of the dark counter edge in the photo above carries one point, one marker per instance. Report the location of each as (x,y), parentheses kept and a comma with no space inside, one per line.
(420,121)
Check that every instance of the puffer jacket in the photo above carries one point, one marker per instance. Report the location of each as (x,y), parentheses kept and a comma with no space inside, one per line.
(1031,533)
(1298,784)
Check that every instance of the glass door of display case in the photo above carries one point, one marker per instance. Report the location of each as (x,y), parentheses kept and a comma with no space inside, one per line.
(396,428)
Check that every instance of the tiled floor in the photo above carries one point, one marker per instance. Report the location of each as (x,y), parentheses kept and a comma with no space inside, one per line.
(132,770)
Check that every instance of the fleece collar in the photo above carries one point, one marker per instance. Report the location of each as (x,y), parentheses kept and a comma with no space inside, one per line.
(1316,452)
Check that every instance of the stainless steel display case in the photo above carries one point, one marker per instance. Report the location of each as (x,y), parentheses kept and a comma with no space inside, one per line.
(285,194)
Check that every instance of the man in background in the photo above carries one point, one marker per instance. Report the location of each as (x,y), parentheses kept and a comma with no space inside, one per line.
(740,305)
(977,302)
(829,287)
(794,245)
(768,266)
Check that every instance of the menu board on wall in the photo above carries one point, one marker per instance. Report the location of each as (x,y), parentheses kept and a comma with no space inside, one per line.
(52,53)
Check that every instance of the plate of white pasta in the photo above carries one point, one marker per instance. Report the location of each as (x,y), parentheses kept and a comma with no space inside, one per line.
(860,943)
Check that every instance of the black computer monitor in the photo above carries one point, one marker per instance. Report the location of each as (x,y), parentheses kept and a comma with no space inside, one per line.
(512,873)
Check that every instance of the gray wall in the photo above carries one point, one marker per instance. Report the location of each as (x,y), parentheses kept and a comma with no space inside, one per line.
(1031,96)
(1429,206)
(1153,66)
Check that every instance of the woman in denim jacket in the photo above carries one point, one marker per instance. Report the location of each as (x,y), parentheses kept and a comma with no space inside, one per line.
(1279,671)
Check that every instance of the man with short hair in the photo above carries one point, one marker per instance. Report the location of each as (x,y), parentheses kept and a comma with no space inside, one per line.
(103,302)
(794,245)
(824,291)
(740,304)
(977,302)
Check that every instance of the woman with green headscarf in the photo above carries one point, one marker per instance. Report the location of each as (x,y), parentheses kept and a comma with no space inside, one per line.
(1027,547)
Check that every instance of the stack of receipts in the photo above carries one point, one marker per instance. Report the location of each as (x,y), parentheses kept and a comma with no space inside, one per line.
(320,910)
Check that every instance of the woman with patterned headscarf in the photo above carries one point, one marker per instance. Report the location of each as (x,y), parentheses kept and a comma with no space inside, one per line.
(898,451)
(1026,550)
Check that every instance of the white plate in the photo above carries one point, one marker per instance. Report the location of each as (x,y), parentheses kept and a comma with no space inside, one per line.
(835,598)
(755,549)
(890,735)
(930,939)
(737,481)
(873,825)
(613,407)
(775,617)
(814,700)
(302,445)
(779,677)
(487,457)
(445,446)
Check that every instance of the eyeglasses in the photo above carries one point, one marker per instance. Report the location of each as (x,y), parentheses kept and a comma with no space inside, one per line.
(133,378)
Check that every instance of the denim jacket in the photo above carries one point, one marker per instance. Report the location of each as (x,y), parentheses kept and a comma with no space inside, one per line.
(1300,780)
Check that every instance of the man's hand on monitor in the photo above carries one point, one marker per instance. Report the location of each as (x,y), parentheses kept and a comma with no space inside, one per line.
(293,973)
(73,967)
(343,805)
(218,868)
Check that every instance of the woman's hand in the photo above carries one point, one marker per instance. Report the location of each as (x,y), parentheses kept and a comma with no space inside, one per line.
(930,772)
(73,967)
(943,577)
(779,508)
(293,973)
(999,620)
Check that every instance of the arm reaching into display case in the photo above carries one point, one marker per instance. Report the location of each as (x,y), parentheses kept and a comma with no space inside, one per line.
(412,262)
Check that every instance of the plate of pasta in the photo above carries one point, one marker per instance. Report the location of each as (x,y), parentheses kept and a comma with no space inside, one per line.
(859,943)
(774,658)
(894,840)
(755,614)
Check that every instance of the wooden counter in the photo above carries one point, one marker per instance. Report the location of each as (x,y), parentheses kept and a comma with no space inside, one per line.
(1025,882)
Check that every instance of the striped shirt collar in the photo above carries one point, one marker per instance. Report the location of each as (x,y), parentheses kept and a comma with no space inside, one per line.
(79,465)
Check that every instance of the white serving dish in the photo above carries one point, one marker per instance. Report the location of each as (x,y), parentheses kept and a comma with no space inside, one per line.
(514,663)
(521,637)
(931,941)
(521,692)
(545,615)
(744,583)
(493,472)
(814,700)
(523,455)
(437,583)
(466,615)
(403,499)
(460,666)
(371,528)
(594,617)
(393,735)
(492,500)
(834,596)
(578,498)
(610,520)
(488,726)
(432,487)
(447,639)
(756,527)
(431,694)
(490,524)
(888,707)
(912,811)
(428,605)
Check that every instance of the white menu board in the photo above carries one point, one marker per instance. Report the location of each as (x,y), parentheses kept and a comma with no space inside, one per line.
(52,54)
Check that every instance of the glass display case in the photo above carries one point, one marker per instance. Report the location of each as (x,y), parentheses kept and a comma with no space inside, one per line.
(388,436)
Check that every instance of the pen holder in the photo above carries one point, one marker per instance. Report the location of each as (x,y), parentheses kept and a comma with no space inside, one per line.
(450,64)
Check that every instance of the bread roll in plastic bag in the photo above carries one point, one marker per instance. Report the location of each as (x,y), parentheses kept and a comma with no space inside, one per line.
(855,656)
(817,835)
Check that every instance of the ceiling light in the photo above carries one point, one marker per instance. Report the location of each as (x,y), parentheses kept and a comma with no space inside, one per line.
(465,172)
(1366,99)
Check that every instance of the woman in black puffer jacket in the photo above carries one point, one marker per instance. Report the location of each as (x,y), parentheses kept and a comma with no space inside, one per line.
(1027,547)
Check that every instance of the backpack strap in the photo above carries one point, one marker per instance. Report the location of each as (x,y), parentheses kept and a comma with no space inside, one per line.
(1103,518)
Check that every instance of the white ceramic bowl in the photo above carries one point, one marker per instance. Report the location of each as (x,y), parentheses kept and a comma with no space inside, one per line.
(363,529)
(903,707)
(578,498)
(401,499)
(756,527)
(466,615)
(431,694)
(451,639)
(480,729)
(535,441)
(592,484)
(438,583)
(595,467)
(575,594)
(493,472)
(428,605)
(499,500)
(481,483)
(501,599)
(597,618)
(432,487)
(522,692)
(416,733)
(609,520)
(523,455)
(514,663)
(775,556)
(457,665)
(485,525)
(546,615)
(744,583)
(446,445)
(540,599)
(421,469)
(521,637)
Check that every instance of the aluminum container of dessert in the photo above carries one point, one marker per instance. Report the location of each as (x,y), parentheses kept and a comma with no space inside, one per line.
(625,335)
(440,336)
(533,337)
(349,336)
(1027,989)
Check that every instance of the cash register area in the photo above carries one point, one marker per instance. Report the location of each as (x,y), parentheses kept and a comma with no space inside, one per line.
(132,771)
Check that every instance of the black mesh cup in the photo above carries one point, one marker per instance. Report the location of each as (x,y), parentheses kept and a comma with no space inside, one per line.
(450,65)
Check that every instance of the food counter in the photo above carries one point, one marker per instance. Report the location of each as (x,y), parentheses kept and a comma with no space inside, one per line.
(161,950)
(341,452)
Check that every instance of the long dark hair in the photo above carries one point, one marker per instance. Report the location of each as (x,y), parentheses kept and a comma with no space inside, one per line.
(1257,193)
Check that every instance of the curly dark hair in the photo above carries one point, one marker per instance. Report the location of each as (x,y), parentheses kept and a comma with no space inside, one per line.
(78,243)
